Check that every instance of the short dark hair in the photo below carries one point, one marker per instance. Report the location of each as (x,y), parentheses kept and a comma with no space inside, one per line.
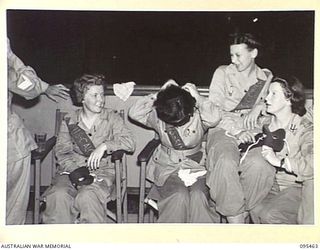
(246,38)
(293,89)
(82,84)
(174,105)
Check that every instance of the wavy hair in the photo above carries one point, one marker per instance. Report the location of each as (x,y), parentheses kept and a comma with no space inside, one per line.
(174,105)
(82,84)
(246,38)
(293,89)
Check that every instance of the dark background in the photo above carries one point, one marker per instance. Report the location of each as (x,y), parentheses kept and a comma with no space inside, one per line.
(151,47)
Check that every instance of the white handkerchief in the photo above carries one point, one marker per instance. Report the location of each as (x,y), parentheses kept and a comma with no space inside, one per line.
(123,90)
(190,178)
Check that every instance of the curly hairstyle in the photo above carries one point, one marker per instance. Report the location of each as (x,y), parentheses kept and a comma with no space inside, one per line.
(174,105)
(246,38)
(293,89)
(82,84)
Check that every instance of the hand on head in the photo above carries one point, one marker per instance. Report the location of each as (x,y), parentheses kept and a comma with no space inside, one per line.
(168,83)
(192,89)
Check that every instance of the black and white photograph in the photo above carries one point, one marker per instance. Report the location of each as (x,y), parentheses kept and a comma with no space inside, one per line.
(166,118)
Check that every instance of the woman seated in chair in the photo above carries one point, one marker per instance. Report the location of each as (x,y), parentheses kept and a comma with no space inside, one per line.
(181,117)
(289,193)
(87,137)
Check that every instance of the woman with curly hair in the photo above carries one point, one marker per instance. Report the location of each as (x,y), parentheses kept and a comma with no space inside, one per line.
(85,178)
(181,117)
(289,192)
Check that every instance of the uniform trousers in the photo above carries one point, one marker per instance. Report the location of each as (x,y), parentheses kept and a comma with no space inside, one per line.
(233,187)
(64,203)
(180,204)
(279,207)
(18,189)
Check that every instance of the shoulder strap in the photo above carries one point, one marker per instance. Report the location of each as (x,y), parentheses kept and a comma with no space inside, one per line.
(81,138)
(174,137)
(254,93)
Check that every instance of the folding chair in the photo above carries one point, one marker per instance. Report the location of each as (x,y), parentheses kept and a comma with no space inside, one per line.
(118,158)
(143,159)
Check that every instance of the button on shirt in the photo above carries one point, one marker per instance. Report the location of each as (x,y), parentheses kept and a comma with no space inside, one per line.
(109,128)
(228,86)
(166,160)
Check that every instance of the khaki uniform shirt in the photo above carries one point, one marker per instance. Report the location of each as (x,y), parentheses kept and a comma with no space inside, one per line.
(22,80)
(228,87)
(109,128)
(166,160)
(298,152)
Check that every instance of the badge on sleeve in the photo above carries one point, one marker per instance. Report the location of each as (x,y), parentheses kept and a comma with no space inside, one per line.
(25,84)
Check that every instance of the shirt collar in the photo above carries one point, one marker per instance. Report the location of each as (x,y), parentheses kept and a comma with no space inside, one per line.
(103,116)
(256,72)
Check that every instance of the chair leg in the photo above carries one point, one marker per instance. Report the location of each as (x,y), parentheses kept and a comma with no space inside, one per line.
(142,191)
(111,215)
(125,208)
(124,187)
(151,215)
(118,192)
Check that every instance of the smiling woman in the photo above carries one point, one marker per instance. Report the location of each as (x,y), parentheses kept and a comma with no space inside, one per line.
(84,138)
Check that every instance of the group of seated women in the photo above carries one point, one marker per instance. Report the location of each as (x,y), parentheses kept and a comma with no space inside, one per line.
(275,169)
(243,155)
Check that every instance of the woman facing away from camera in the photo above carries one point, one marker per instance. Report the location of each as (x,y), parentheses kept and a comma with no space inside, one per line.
(290,197)
(85,142)
(181,117)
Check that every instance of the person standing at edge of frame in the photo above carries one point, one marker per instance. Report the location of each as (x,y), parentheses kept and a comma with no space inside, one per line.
(239,90)
(23,81)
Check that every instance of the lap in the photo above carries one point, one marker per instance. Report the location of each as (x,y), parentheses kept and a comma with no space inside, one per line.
(175,185)
(218,137)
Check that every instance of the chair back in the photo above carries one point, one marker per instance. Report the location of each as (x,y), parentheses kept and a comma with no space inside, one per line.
(58,120)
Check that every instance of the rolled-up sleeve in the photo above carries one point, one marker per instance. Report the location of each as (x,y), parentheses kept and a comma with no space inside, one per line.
(142,110)
(23,80)
(209,112)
